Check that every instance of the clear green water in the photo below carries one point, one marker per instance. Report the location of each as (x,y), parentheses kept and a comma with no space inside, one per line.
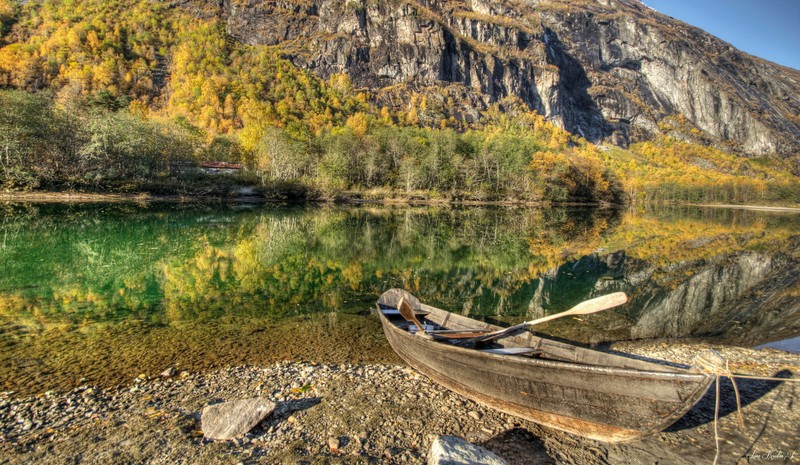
(101,292)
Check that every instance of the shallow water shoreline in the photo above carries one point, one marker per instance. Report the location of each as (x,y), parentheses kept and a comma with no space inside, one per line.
(356,198)
(762,208)
(95,197)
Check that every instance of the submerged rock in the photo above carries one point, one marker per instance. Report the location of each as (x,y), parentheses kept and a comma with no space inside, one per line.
(452,450)
(232,420)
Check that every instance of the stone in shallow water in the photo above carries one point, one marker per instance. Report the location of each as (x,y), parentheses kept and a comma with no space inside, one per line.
(451,450)
(234,419)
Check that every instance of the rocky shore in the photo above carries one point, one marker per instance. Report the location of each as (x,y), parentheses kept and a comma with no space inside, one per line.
(376,413)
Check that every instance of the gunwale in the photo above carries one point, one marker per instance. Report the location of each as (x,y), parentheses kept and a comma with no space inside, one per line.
(603,396)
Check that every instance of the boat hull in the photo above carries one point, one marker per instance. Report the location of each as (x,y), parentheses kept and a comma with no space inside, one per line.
(605,403)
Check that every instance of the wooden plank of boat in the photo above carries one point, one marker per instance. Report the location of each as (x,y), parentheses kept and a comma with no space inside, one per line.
(602,396)
(395,312)
(512,351)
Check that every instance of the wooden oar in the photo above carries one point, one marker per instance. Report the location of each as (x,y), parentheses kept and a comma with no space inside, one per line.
(584,308)
(407,312)
(452,331)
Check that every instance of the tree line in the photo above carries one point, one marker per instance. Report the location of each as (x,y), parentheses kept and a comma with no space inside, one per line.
(670,170)
(47,145)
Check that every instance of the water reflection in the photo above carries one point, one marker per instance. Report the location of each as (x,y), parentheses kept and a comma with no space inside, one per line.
(790,345)
(717,274)
(166,263)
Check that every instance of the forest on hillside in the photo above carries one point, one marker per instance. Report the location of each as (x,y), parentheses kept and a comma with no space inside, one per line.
(131,95)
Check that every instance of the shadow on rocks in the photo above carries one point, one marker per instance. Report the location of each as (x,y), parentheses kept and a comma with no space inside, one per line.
(283,411)
(750,390)
(519,447)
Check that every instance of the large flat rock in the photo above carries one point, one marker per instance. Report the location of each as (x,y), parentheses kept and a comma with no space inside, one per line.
(234,419)
(452,450)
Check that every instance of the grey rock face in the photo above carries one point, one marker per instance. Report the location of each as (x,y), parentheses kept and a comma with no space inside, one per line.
(746,297)
(611,71)
(704,298)
(232,420)
(645,66)
(451,450)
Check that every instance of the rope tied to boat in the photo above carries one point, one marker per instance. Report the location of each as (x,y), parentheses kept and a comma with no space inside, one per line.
(713,363)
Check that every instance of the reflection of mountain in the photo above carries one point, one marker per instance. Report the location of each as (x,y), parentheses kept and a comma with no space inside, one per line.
(747,297)
(689,272)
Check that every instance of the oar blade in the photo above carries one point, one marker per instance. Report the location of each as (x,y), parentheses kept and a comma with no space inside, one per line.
(407,312)
(598,304)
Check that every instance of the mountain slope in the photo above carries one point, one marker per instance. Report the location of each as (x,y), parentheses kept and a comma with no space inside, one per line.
(428,99)
(612,71)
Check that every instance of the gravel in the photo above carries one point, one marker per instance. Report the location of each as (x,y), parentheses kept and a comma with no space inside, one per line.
(373,413)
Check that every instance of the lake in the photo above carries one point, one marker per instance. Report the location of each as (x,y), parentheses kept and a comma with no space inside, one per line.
(101,293)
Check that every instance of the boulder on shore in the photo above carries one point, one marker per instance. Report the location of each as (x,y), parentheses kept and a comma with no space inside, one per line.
(452,450)
(231,420)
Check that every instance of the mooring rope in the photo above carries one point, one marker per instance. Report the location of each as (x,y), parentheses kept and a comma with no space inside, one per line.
(713,363)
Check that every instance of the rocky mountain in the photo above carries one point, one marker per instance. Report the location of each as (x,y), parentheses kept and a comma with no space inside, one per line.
(613,71)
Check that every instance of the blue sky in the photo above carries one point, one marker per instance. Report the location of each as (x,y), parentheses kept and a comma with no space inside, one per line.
(769,29)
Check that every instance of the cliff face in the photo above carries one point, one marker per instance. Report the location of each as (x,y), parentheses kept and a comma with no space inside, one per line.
(612,71)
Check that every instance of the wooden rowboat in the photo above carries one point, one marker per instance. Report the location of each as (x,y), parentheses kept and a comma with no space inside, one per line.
(594,394)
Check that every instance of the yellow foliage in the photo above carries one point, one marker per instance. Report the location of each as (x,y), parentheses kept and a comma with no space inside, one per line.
(6,9)
(667,169)
(412,117)
(358,123)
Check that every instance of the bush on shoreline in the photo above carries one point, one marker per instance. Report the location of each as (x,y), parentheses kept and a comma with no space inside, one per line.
(47,146)
(522,158)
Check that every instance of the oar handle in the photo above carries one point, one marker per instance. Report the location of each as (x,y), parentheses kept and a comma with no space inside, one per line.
(584,308)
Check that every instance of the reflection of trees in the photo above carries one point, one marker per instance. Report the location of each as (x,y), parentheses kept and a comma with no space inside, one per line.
(687,274)
(680,237)
(88,262)
(334,258)
(100,263)
(198,287)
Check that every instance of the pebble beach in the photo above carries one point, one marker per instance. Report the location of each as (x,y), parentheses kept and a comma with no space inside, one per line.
(376,414)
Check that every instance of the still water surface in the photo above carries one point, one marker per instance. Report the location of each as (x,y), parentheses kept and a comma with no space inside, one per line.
(98,293)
